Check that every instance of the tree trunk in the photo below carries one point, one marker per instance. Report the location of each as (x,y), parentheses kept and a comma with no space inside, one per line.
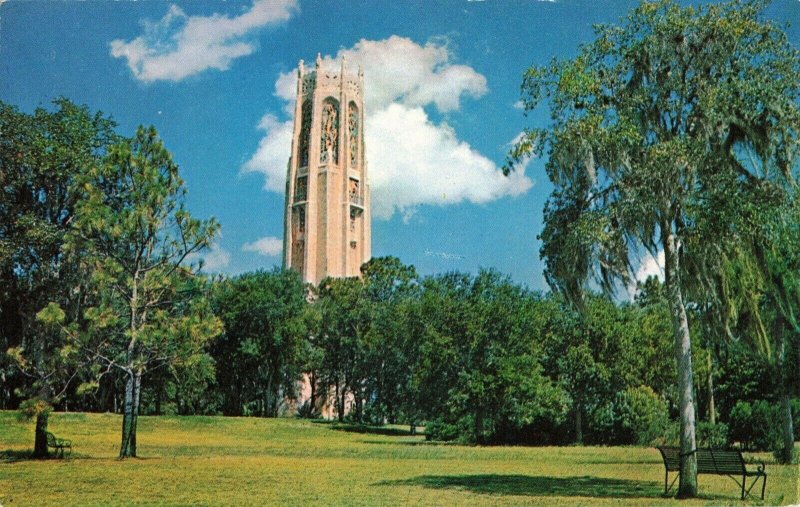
(336,400)
(712,411)
(579,422)
(358,398)
(479,427)
(268,398)
(40,440)
(130,414)
(342,402)
(687,486)
(136,401)
(312,400)
(158,400)
(787,447)
(787,450)
(127,410)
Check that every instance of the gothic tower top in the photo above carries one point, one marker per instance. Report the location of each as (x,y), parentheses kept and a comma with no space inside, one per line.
(327,218)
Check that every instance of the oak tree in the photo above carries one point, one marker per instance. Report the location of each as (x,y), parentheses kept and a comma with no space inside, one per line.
(644,121)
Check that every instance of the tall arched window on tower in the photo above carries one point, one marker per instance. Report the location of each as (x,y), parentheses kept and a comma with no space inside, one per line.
(329,145)
(352,133)
(305,133)
(298,237)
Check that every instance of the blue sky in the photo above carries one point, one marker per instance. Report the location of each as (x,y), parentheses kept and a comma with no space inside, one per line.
(215,79)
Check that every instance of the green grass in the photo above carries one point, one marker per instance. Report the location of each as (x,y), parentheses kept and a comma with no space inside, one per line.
(248,461)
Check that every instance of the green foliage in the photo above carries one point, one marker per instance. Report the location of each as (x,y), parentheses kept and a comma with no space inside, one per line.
(307,411)
(32,407)
(644,413)
(742,376)
(756,426)
(41,155)
(658,127)
(345,321)
(133,235)
(439,430)
(636,416)
(260,354)
(481,333)
(714,436)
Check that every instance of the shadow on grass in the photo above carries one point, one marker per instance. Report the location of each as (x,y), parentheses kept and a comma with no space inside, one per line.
(13,456)
(421,442)
(622,462)
(364,428)
(526,485)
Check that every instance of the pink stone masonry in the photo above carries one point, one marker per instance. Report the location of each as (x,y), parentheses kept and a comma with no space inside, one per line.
(327,221)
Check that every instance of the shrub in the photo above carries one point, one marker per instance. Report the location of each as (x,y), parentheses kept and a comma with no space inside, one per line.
(672,435)
(604,425)
(440,430)
(741,417)
(644,414)
(756,426)
(636,416)
(714,436)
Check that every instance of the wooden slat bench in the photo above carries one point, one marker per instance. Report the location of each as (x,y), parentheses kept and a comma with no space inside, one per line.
(59,444)
(717,462)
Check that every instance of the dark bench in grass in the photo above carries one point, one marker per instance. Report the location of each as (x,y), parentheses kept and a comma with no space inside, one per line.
(59,444)
(714,461)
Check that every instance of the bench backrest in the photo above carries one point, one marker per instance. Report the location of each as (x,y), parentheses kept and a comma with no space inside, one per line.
(709,461)
(671,457)
(51,439)
(714,461)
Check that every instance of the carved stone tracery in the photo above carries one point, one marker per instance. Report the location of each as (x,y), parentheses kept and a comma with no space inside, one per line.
(329,145)
(305,132)
(309,82)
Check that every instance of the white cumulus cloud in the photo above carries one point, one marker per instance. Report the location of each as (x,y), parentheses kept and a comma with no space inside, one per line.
(214,259)
(412,160)
(178,45)
(415,161)
(272,155)
(651,266)
(268,246)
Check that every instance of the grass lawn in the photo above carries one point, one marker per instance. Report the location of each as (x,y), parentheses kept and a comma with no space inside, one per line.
(248,461)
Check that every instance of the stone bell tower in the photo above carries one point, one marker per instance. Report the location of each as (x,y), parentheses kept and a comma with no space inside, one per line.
(327,222)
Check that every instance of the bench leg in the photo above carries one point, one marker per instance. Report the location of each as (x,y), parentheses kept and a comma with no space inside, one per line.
(667,485)
(744,478)
(755,481)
